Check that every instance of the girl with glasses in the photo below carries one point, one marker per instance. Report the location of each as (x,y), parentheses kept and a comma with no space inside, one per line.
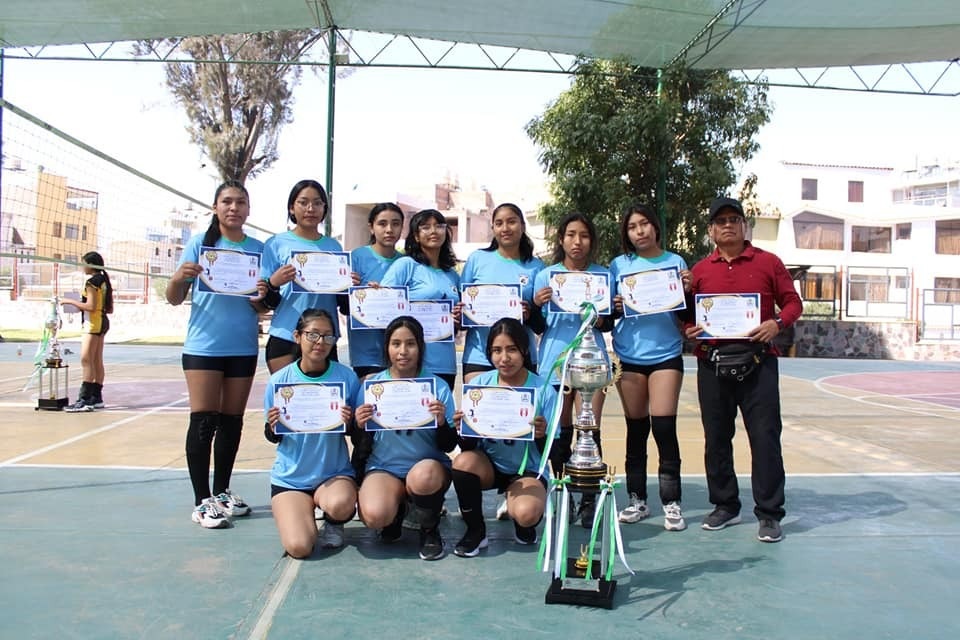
(312,469)
(408,464)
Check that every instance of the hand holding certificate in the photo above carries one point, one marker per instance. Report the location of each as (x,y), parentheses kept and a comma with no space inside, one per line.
(321,271)
(573,288)
(497,412)
(484,304)
(375,307)
(228,271)
(309,407)
(400,403)
(654,291)
(727,316)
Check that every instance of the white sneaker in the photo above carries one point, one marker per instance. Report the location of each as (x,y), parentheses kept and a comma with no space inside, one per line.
(502,511)
(673,517)
(232,504)
(330,536)
(209,515)
(636,511)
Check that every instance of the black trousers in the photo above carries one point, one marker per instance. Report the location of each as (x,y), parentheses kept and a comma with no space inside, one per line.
(758,399)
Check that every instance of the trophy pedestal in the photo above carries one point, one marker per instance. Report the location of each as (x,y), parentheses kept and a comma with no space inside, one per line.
(578,591)
(54,385)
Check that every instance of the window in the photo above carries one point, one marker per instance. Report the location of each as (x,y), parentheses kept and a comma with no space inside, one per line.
(948,237)
(871,239)
(58,256)
(950,293)
(816,231)
(855,191)
(869,288)
(73,232)
(156,251)
(904,230)
(808,189)
(83,233)
(818,286)
(901,282)
(169,253)
(57,230)
(70,258)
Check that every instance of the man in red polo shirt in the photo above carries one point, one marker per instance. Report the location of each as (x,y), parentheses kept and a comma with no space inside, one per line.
(725,383)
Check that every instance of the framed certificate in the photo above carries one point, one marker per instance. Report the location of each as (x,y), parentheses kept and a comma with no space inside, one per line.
(653,291)
(436,316)
(229,272)
(400,404)
(375,307)
(573,288)
(309,407)
(321,271)
(727,315)
(497,412)
(484,304)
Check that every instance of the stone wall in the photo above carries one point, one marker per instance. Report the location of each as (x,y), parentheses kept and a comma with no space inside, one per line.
(871,340)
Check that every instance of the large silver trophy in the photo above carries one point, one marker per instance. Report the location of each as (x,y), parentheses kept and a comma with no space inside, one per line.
(587,372)
(54,373)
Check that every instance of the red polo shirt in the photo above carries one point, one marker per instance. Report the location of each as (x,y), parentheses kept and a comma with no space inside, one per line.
(753,271)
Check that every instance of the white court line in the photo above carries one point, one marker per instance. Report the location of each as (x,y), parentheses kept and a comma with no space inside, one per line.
(277,595)
(123,467)
(819,384)
(82,436)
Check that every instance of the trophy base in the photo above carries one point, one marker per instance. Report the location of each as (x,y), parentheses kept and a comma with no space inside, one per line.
(52,404)
(579,591)
(585,479)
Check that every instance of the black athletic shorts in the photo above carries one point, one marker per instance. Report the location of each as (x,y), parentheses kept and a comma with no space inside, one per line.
(230,366)
(675,364)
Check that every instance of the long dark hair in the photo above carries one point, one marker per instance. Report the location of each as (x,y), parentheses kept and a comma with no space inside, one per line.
(576,216)
(513,329)
(303,320)
(526,244)
(95,260)
(415,328)
(295,191)
(213,231)
(447,259)
(377,210)
(644,211)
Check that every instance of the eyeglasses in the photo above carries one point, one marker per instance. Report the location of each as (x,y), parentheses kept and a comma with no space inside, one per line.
(727,220)
(431,228)
(317,204)
(327,338)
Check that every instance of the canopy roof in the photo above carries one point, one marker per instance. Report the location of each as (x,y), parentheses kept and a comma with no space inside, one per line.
(719,34)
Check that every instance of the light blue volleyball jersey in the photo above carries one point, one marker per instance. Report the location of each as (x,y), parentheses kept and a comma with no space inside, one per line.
(220,325)
(648,339)
(428,283)
(366,345)
(489,267)
(396,451)
(561,328)
(276,253)
(505,454)
(307,460)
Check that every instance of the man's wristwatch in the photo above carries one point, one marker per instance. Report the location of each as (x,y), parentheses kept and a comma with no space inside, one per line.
(779,322)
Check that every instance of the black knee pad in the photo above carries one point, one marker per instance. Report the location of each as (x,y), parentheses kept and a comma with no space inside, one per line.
(200,433)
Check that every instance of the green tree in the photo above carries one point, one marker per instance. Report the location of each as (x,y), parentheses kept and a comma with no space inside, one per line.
(237,93)
(620,130)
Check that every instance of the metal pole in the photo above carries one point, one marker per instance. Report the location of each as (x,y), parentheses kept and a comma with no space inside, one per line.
(331,103)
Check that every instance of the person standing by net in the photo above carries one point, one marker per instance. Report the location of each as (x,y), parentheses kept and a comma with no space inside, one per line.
(96,305)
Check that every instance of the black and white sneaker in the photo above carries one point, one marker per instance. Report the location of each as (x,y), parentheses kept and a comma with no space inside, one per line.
(431,544)
(720,518)
(471,543)
(524,535)
(80,406)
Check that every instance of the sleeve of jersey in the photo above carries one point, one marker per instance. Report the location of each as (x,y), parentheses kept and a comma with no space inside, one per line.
(398,274)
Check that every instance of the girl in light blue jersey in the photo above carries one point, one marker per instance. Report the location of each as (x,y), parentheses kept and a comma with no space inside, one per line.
(219,359)
(649,347)
(427,270)
(574,248)
(370,262)
(510,466)
(311,469)
(508,260)
(410,463)
(306,209)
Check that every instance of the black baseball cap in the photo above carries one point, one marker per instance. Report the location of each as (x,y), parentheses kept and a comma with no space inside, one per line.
(719,204)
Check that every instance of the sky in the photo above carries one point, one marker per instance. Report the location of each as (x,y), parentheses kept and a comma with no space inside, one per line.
(401,130)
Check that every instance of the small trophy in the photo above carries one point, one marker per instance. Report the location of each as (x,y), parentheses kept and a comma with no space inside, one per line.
(582,583)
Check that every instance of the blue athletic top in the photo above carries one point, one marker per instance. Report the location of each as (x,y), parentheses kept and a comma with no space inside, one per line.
(366,346)
(396,451)
(276,253)
(220,325)
(648,339)
(561,327)
(307,460)
(428,283)
(489,267)
(505,454)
